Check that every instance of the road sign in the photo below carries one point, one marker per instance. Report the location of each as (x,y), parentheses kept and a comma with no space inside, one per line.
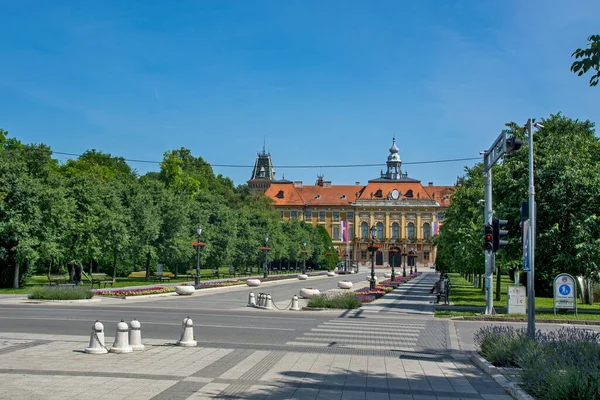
(565,293)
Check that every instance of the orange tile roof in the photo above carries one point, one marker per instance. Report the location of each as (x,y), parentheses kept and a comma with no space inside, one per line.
(387,187)
(438,193)
(338,195)
(290,194)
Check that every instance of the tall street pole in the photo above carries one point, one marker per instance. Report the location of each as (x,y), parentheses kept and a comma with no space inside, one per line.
(531,246)
(489,253)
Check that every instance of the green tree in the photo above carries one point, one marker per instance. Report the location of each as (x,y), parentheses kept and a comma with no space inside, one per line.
(588,59)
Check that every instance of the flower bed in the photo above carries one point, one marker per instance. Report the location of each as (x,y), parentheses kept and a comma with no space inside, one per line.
(213,284)
(136,292)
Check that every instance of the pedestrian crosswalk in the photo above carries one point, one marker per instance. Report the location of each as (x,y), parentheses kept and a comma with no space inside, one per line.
(368,334)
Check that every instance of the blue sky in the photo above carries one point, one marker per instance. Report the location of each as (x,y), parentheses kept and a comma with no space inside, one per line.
(325,82)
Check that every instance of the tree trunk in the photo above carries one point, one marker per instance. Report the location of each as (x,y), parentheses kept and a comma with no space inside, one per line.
(176,272)
(16,277)
(49,270)
(497,282)
(91,265)
(148,266)
(114,266)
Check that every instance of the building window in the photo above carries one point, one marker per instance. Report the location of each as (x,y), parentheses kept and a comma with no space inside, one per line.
(307,215)
(336,215)
(363,254)
(440,216)
(411,231)
(321,215)
(426,256)
(294,215)
(336,233)
(395,230)
(350,232)
(426,231)
(379,227)
(350,215)
(364,230)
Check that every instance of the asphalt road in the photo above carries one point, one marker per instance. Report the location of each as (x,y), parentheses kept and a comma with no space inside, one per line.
(220,316)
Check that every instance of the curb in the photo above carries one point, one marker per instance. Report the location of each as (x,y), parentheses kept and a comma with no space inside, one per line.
(511,387)
(37,301)
(521,320)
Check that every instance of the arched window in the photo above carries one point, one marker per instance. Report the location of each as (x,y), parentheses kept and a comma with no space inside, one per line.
(395,230)
(426,231)
(379,227)
(411,231)
(364,230)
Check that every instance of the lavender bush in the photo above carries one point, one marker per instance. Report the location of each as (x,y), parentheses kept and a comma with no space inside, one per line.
(561,365)
(499,344)
(565,364)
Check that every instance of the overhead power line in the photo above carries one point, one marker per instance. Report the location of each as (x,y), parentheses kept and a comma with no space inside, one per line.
(299,166)
(281,166)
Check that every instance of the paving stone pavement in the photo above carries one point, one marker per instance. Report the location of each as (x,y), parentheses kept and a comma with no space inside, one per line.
(363,355)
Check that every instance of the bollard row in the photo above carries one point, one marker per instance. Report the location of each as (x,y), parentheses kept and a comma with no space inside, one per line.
(129,337)
(265,301)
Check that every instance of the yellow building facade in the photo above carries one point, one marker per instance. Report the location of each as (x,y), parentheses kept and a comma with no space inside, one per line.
(400,211)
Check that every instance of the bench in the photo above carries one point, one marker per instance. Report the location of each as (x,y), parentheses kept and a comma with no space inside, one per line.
(161,277)
(56,279)
(443,291)
(100,279)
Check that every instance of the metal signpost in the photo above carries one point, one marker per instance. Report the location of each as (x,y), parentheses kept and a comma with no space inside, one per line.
(565,293)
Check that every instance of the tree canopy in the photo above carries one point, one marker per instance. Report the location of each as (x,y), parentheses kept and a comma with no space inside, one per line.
(588,59)
(567,183)
(96,212)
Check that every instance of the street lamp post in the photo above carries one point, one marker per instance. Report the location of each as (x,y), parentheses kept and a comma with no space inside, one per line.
(394,251)
(373,248)
(304,254)
(198,244)
(266,250)
(404,254)
(415,258)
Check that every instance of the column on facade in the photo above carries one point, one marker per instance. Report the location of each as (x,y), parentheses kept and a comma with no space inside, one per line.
(403,228)
(419,227)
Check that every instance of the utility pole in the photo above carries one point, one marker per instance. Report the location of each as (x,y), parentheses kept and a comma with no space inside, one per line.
(531,236)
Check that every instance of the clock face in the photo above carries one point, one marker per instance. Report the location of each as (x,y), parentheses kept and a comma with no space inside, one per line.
(395,194)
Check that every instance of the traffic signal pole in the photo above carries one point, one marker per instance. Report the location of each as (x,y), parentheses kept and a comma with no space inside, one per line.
(489,253)
(531,247)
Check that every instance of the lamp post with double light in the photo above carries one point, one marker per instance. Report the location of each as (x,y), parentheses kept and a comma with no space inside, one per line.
(373,248)
(198,245)
(304,253)
(404,256)
(394,251)
(266,249)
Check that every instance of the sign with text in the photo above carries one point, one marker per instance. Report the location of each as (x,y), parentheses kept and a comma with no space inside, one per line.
(516,300)
(565,293)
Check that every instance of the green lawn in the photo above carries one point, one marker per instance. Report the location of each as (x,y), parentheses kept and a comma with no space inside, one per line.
(538,315)
(37,280)
(464,294)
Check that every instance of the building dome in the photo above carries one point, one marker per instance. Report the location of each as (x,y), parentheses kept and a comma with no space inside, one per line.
(394,149)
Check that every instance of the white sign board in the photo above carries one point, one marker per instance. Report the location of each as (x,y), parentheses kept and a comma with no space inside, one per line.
(565,292)
(159,269)
(516,300)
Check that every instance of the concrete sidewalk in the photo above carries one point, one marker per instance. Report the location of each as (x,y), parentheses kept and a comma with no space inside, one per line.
(55,367)
(377,353)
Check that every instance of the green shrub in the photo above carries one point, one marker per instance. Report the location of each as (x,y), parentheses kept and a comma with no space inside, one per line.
(557,365)
(498,344)
(60,293)
(344,301)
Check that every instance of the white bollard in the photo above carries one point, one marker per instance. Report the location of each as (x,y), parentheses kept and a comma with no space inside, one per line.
(295,306)
(96,345)
(269,302)
(135,335)
(261,300)
(121,344)
(187,334)
(251,300)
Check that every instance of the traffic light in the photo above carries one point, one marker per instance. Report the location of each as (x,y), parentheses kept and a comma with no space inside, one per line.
(489,238)
(512,143)
(498,233)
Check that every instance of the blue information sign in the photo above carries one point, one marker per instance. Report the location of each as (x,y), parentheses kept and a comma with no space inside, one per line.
(564,290)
